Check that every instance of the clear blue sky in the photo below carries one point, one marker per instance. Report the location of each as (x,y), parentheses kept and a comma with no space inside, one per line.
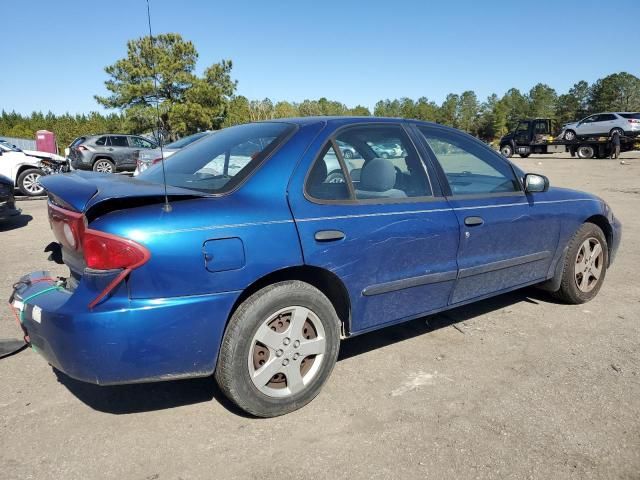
(353,51)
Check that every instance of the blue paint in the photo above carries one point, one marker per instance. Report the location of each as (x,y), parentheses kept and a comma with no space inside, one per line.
(167,320)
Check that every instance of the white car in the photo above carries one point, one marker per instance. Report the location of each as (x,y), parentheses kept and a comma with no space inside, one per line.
(605,124)
(23,169)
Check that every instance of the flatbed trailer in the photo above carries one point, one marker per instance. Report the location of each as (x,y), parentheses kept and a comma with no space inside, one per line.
(534,136)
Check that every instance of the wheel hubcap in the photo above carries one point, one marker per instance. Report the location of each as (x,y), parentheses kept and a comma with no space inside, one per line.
(286,352)
(589,264)
(103,167)
(31,183)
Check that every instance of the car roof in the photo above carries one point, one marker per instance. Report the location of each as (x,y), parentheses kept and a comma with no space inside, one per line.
(346,120)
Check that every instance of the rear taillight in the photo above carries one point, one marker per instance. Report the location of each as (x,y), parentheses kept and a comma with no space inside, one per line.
(633,120)
(103,251)
(68,227)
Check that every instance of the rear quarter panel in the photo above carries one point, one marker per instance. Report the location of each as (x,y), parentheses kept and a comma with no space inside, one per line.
(257,214)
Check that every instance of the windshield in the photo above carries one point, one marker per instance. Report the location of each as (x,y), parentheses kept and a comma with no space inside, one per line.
(8,146)
(221,161)
(183,142)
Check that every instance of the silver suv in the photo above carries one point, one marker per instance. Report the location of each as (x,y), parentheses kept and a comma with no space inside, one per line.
(624,123)
(107,152)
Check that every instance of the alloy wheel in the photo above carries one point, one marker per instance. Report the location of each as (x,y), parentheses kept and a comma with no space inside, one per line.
(31,183)
(104,167)
(286,352)
(589,264)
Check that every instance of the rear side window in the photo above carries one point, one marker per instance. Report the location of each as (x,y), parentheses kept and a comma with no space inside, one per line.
(381,164)
(219,162)
(470,168)
(101,141)
(118,141)
(630,116)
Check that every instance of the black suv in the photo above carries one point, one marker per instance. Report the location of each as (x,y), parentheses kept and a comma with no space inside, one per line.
(107,152)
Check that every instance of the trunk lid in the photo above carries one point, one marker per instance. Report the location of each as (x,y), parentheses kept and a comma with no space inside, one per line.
(82,190)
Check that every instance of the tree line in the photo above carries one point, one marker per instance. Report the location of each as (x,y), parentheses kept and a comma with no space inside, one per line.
(158,76)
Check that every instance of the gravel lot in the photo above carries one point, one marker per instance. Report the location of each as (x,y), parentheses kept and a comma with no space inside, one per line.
(513,387)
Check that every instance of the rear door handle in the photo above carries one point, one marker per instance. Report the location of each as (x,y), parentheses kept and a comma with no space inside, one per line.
(329,235)
(473,221)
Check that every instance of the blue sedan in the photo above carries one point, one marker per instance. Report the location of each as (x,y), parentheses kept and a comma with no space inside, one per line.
(265,247)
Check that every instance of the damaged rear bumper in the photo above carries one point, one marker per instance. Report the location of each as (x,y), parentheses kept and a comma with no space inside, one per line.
(122,340)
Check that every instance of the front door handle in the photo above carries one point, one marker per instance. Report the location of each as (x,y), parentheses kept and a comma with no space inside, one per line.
(473,221)
(329,235)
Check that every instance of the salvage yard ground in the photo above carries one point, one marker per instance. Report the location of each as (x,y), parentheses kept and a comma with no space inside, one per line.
(513,387)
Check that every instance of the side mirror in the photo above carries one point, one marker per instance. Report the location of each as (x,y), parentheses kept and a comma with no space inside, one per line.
(534,183)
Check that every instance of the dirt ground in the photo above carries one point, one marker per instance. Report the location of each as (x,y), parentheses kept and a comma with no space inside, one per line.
(513,387)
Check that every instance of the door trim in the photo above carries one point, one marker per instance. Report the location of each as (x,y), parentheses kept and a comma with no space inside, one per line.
(396,285)
(502,264)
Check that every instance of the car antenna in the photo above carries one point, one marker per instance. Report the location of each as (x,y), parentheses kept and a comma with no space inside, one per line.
(166,207)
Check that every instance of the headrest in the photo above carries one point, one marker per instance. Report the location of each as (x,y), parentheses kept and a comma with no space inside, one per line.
(378,175)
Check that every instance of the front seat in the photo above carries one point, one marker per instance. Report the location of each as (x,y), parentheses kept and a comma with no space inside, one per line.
(377,179)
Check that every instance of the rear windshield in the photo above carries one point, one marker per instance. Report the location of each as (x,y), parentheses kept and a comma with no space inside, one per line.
(220,162)
(630,115)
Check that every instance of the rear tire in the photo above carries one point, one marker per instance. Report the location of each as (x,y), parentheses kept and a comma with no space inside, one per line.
(585,265)
(265,366)
(28,182)
(585,151)
(104,165)
(619,131)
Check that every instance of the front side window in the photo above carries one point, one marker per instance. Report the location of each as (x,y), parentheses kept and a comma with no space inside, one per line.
(101,141)
(523,127)
(606,117)
(470,168)
(219,162)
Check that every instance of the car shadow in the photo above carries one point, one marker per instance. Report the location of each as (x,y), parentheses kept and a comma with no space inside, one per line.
(144,397)
(13,223)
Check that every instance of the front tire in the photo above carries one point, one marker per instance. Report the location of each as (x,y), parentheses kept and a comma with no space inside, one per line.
(585,265)
(279,348)
(569,135)
(506,150)
(29,182)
